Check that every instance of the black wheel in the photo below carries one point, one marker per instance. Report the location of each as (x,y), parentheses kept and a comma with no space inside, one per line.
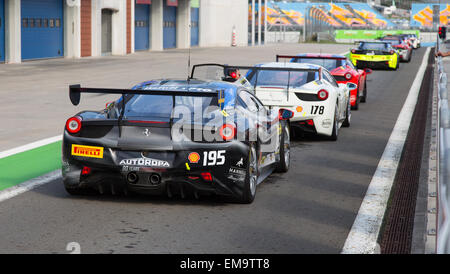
(364,97)
(334,133)
(251,179)
(285,148)
(348,116)
(398,64)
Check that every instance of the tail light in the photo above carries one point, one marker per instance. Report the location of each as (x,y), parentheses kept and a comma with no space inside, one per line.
(206,176)
(348,76)
(322,94)
(310,122)
(86,171)
(227,132)
(73,125)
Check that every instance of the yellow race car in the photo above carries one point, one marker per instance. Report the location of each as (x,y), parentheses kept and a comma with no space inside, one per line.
(375,55)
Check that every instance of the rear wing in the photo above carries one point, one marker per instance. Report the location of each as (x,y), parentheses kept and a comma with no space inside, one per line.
(76,90)
(278,57)
(253,68)
(229,68)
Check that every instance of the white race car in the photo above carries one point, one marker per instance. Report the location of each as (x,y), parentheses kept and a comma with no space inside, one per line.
(319,103)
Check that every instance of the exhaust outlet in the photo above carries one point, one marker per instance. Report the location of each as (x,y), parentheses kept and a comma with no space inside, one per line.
(155,179)
(132,178)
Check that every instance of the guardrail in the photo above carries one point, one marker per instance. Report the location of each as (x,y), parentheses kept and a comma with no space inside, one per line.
(443,201)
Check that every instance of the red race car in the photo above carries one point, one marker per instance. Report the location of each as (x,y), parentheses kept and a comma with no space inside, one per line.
(402,45)
(342,70)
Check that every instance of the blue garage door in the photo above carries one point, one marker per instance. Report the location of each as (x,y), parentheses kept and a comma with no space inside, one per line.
(170,26)
(42,29)
(141,27)
(2,31)
(194,26)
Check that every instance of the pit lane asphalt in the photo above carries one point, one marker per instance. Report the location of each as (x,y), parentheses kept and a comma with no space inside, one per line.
(310,209)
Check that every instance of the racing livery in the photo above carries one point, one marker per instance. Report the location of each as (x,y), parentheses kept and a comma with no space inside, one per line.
(186,137)
(375,55)
(341,68)
(320,105)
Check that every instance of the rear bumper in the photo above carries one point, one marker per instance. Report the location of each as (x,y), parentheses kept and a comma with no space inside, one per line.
(112,171)
(112,179)
(374,62)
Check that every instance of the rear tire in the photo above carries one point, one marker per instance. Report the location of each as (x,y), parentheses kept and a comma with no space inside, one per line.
(335,132)
(285,149)
(364,97)
(348,116)
(251,179)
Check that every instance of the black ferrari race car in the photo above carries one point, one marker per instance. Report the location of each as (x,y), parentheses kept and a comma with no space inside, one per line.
(186,137)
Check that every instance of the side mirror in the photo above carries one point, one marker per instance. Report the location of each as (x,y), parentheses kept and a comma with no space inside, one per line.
(351,86)
(285,114)
(367,70)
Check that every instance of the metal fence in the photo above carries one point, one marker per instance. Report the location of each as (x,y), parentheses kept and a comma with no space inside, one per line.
(443,203)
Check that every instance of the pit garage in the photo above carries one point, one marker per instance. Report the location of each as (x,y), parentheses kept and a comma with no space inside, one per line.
(142,26)
(194,26)
(170,19)
(42,29)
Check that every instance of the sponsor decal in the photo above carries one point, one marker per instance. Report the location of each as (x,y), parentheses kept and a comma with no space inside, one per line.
(87,151)
(238,171)
(240,162)
(147,132)
(194,157)
(144,162)
(237,174)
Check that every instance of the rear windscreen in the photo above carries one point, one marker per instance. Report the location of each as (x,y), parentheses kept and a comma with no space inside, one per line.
(327,63)
(161,106)
(393,42)
(281,77)
(373,46)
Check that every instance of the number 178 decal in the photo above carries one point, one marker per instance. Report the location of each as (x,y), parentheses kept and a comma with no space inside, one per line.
(317,109)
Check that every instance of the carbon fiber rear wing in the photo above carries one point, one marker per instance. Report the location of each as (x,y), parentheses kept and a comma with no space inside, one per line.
(279,56)
(227,67)
(76,90)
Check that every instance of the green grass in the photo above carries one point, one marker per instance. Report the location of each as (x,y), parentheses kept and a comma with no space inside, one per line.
(26,165)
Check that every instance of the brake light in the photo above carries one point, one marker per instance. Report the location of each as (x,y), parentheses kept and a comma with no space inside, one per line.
(310,122)
(348,76)
(73,125)
(322,94)
(86,170)
(207,176)
(227,132)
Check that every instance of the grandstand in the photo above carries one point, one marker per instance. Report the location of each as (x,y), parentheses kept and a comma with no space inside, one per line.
(339,15)
(422,15)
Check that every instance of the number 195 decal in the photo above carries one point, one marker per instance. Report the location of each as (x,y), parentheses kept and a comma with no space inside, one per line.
(214,158)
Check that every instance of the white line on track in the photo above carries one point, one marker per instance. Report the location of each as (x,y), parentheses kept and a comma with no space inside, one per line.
(30,146)
(362,238)
(29,185)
